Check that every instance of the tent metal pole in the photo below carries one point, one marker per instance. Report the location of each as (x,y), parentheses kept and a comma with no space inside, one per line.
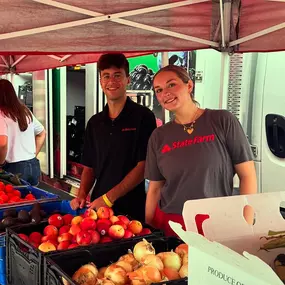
(165,62)
(65,57)
(258,34)
(222,23)
(4,60)
(18,60)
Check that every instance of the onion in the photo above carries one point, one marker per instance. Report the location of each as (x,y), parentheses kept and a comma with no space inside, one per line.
(116,274)
(86,274)
(170,259)
(185,258)
(142,249)
(125,265)
(170,274)
(183,272)
(129,258)
(104,281)
(152,260)
(101,272)
(182,249)
(145,275)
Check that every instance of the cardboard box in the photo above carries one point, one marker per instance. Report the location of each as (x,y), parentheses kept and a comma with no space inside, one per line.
(233,251)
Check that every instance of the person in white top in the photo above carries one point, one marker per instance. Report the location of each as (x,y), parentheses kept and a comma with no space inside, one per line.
(21,136)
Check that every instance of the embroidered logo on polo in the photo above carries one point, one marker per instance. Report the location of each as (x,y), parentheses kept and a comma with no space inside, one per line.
(179,144)
(128,129)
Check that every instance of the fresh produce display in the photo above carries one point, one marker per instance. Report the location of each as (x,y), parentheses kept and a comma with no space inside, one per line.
(68,231)
(12,217)
(142,266)
(8,194)
(9,178)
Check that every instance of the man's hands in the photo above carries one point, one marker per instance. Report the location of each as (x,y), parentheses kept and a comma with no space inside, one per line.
(96,204)
(77,203)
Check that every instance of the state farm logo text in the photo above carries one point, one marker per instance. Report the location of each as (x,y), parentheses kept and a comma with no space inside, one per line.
(179,144)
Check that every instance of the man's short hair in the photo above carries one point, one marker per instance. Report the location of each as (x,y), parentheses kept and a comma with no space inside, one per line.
(109,60)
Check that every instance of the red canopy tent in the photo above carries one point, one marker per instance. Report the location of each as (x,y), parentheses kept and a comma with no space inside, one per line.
(42,34)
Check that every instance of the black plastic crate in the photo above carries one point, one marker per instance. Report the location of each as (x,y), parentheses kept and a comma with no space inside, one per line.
(58,265)
(24,263)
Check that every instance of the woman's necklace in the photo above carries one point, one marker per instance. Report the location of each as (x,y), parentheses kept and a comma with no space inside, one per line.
(189,129)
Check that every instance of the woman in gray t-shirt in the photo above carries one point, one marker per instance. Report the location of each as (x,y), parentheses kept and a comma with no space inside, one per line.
(195,156)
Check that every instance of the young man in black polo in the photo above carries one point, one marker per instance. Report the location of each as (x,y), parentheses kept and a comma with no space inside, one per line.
(115,145)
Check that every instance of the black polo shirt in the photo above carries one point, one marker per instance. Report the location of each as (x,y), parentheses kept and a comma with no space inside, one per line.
(114,147)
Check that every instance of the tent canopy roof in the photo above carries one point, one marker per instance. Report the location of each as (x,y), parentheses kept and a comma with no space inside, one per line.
(39,34)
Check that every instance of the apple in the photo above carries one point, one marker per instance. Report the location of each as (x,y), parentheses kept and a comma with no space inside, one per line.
(67,219)
(64,229)
(65,237)
(34,244)
(128,234)
(105,239)
(73,245)
(35,237)
(88,224)
(145,231)
(50,230)
(103,226)
(76,220)
(17,193)
(53,241)
(74,230)
(24,237)
(56,220)
(49,238)
(135,227)
(95,236)
(83,238)
(103,213)
(114,219)
(111,212)
(90,213)
(46,246)
(116,232)
(120,223)
(124,219)
(63,245)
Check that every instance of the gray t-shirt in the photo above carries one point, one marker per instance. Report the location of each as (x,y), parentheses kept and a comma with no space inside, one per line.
(200,165)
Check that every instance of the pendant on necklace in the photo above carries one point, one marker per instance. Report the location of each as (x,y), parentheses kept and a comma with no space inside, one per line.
(189,130)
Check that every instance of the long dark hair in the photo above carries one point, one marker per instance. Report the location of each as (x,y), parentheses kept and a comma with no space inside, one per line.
(12,107)
(181,73)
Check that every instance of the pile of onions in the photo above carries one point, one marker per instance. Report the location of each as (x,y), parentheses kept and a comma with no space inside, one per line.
(125,265)
(152,260)
(86,274)
(145,275)
(170,274)
(183,272)
(101,272)
(104,281)
(142,249)
(129,258)
(182,249)
(116,274)
(170,259)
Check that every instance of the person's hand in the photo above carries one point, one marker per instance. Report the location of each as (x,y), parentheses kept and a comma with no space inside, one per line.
(77,203)
(96,204)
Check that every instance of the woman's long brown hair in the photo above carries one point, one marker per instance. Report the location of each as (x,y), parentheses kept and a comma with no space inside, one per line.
(12,107)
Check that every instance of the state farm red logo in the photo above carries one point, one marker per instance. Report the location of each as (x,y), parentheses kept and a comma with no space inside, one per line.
(196,140)
(166,148)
